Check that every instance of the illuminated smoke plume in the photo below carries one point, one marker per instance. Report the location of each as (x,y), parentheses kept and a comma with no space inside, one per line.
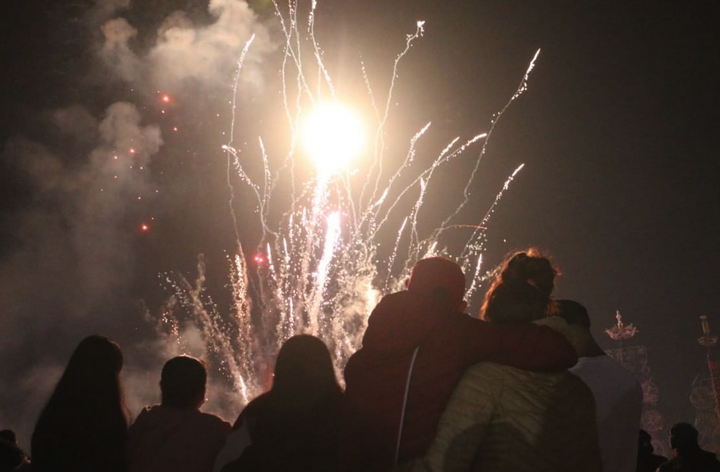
(184,51)
(317,265)
(86,174)
(73,255)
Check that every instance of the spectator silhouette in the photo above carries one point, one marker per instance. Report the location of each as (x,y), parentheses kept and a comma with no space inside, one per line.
(294,426)
(687,454)
(83,427)
(646,460)
(618,394)
(12,458)
(176,436)
(501,418)
(417,344)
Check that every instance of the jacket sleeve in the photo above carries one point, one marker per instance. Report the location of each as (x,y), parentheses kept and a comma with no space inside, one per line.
(234,446)
(135,434)
(464,423)
(523,345)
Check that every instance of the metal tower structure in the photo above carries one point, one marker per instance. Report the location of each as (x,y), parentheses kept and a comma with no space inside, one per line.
(634,359)
(705,394)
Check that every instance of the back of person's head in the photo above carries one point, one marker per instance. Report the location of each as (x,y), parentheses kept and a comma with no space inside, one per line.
(304,371)
(683,436)
(522,291)
(573,312)
(88,397)
(92,373)
(8,435)
(645,442)
(11,456)
(182,382)
(440,279)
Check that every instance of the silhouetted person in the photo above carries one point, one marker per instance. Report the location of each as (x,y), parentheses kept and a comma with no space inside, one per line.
(618,394)
(687,454)
(176,436)
(504,419)
(294,426)
(646,460)
(415,349)
(83,427)
(12,458)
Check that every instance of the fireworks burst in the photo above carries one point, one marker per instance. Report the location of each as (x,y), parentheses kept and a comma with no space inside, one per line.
(319,267)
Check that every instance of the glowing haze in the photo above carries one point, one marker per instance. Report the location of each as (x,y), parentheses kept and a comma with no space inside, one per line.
(328,245)
(333,137)
(344,239)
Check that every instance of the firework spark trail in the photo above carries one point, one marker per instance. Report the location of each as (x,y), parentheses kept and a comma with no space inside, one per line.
(475,278)
(443,158)
(321,278)
(391,260)
(371,94)
(332,236)
(246,335)
(318,53)
(203,312)
(229,147)
(476,240)
(373,207)
(521,88)
(267,191)
(379,136)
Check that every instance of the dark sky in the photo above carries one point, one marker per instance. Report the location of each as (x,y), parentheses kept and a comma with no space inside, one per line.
(618,131)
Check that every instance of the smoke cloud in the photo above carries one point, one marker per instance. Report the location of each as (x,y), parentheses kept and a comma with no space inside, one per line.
(72,263)
(183,51)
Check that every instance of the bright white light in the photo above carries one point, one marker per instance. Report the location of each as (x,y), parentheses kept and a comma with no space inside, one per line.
(333,136)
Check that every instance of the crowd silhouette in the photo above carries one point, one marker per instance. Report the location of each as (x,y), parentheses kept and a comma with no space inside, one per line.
(522,387)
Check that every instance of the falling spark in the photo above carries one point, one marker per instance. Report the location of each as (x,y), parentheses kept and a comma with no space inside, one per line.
(318,266)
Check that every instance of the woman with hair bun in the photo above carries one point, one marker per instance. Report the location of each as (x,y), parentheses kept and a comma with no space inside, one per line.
(523,290)
(83,427)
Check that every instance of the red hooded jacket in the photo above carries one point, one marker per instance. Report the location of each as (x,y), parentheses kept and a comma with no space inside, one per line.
(448,342)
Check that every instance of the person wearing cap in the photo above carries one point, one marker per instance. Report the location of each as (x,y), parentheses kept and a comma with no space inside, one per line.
(417,344)
(618,394)
(687,454)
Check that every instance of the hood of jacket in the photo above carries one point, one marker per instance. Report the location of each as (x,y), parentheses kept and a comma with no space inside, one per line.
(401,321)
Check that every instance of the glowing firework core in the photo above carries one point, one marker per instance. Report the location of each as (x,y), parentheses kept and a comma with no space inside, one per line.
(333,136)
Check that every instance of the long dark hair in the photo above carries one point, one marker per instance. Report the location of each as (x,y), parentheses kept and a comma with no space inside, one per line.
(295,425)
(523,289)
(304,382)
(304,371)
(86,413)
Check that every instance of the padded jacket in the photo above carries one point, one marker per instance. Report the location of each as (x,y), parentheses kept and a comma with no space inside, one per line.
(405,329)
(509,420)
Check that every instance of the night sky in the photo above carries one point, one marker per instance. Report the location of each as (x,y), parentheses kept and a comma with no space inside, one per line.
(618,131)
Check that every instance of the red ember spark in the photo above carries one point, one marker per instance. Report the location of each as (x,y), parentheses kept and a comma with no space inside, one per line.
(144,227)
(259,259)
(166,98)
